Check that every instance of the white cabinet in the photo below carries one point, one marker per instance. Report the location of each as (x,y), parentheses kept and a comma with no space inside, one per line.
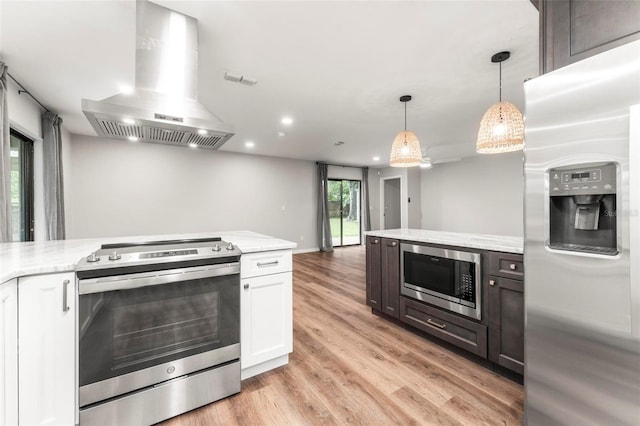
(47,364)
(9,353)
(266,328)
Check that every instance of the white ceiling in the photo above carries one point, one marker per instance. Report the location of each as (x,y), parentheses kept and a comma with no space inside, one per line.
(336,67)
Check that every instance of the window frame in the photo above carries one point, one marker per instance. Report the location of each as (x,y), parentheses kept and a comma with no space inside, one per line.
(27,184)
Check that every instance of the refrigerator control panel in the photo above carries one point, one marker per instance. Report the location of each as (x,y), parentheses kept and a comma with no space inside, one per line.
(583,179)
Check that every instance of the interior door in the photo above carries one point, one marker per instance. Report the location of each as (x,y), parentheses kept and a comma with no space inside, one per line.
(392,203)
(344,211)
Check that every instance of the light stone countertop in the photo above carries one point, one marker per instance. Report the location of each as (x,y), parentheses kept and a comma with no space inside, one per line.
(33,258)
(477,241)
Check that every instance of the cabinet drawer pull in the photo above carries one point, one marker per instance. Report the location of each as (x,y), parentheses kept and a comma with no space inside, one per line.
(492,282)
(65,304)
(246,286)
(435,324)
(376,241)
(272,263)
(512,266)
(393,244)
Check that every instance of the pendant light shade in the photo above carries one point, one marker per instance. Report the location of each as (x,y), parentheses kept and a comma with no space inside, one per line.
(501,129)
(502,126)
(406,150)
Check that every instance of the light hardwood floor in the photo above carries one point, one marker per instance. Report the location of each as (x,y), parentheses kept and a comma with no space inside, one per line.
(350,366)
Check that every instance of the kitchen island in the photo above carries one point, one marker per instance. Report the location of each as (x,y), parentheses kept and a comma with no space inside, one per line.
(464,289)
(40,308)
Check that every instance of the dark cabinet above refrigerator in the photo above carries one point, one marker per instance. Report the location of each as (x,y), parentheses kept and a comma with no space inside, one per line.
(572,30)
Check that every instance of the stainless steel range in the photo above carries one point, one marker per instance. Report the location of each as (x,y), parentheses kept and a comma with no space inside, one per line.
(158,329)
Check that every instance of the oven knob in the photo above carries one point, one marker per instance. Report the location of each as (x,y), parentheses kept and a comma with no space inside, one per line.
(92,258)
(230,246)
(114,256)
(216,247)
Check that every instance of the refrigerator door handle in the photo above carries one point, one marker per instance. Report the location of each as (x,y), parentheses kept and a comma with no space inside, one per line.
(634,217)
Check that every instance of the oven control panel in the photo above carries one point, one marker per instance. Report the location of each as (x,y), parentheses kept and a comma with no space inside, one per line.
(120,255)
(168,253)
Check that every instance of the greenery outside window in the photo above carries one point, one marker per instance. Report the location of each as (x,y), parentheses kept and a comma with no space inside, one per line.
(344,197)
(21,151)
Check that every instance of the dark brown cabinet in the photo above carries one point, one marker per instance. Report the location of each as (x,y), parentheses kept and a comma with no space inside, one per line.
(390,285)
(572,30)
(506,311)
(498,337)
(383,275)
(373,276)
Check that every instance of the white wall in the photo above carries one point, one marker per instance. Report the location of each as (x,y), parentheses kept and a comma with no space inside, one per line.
(414,197)
(121,188)
(482,194)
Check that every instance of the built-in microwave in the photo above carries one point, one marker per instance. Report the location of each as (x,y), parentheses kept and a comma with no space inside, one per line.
(442,277)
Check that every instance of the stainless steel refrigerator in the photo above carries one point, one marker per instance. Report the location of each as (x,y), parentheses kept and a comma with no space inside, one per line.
(582,242)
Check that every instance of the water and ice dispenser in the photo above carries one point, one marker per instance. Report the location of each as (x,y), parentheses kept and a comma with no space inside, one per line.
(582,208)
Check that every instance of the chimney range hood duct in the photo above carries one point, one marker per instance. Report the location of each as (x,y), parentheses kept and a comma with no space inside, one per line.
(163,107)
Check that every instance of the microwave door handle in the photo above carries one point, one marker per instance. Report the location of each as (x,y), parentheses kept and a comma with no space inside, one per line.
(146,279)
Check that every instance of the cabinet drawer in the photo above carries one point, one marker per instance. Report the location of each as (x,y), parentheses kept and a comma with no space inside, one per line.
(506,265)
(466,334)
(265,263)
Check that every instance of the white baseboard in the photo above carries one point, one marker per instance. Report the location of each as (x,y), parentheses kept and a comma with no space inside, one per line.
(265,366)
(307,250)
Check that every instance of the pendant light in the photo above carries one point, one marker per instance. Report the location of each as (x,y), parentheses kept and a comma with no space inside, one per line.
(406,150)
(502,126)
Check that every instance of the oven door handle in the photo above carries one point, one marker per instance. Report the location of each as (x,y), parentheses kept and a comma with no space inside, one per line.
(146,279)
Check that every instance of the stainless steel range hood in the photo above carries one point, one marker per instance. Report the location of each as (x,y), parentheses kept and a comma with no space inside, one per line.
(163,107)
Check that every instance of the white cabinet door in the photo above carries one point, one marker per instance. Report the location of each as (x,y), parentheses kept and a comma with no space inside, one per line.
(46,326)
(266,325)
(9,353)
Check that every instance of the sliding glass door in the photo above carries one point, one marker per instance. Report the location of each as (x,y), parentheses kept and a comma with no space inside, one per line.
(344,211)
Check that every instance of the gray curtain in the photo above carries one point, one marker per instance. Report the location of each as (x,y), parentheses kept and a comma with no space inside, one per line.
(366,217)
(53,182)
(324,227)
(5,160)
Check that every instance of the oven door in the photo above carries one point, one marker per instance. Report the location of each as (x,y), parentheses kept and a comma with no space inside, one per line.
(140,329)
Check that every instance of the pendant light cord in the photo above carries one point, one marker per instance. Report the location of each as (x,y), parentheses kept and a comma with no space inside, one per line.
(405,116)
(500,97)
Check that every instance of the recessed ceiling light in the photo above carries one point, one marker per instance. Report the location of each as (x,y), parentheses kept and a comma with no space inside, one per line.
(376,158)
(202,132)
(249,144)
(128,121)
(193,145)
(126,90)
(287,121)
(281,133)
(133,138)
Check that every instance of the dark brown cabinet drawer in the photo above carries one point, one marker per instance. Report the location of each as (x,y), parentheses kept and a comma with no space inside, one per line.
(506,265)
(463,333)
